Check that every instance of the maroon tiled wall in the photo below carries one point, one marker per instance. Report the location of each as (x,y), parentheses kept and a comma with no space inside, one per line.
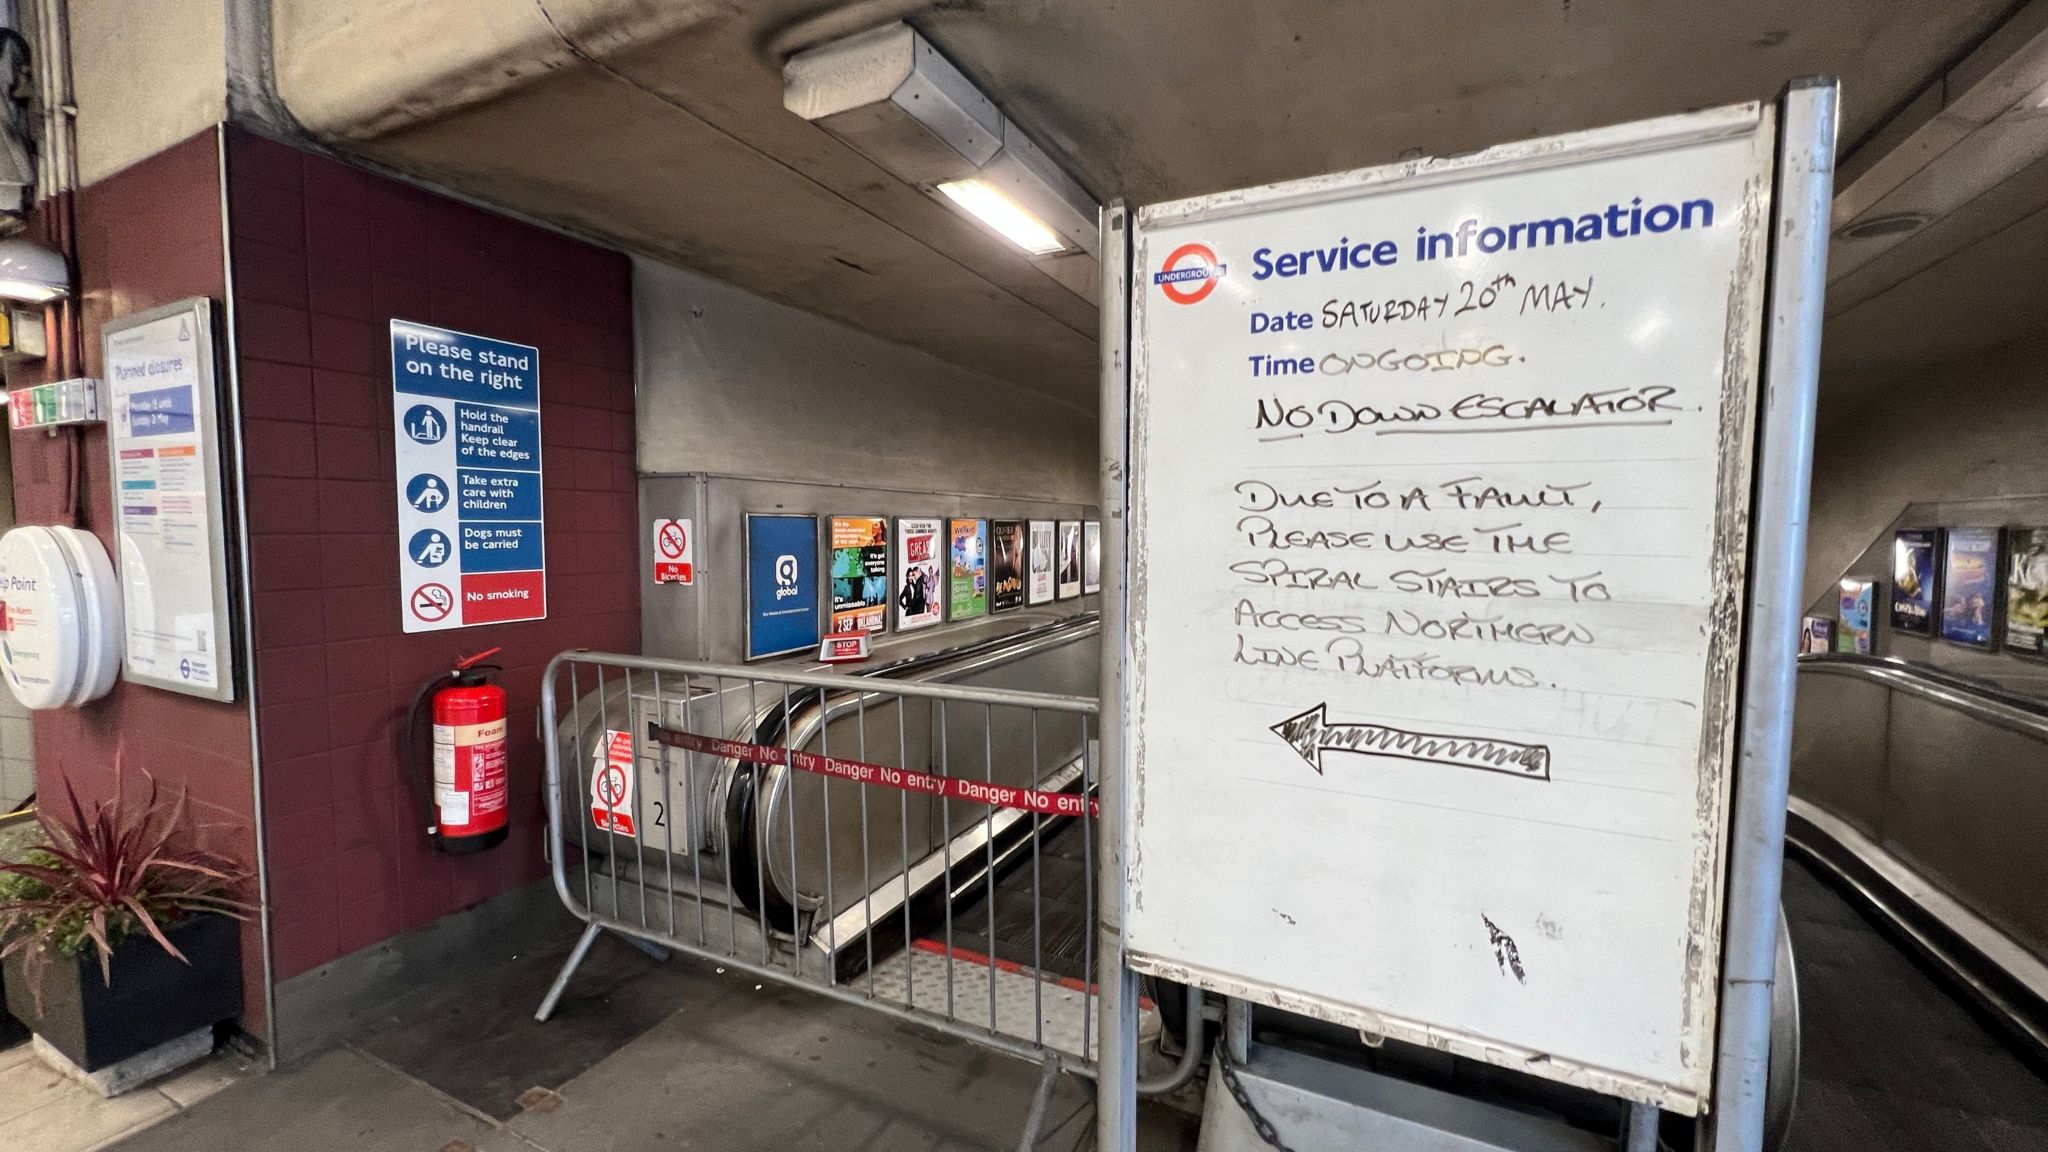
(147,235)
(324,257)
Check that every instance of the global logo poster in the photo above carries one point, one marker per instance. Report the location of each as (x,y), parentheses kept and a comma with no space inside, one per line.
(2026,593)
(1969,587)
(1915,596)
(1006,565)
(968,585)
(860,573)
(920,595)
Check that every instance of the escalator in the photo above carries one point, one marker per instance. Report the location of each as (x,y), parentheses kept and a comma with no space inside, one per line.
(1913,888)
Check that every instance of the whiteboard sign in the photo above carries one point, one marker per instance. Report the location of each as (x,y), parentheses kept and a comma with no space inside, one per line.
(1439,484)
(163,447)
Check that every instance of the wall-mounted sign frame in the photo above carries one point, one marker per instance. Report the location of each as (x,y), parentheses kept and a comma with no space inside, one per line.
(1067,578)
(1916,581)
(782,584)
(1042,552)
(1091,557)
(858,564)
(466,435)
(170,536)
(967,559)
(1596,263)
(1972,586)
(920,580)
(1008,565)
(1856,613)
(2026,592)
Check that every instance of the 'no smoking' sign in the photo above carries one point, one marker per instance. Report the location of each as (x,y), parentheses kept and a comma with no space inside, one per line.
(675,549)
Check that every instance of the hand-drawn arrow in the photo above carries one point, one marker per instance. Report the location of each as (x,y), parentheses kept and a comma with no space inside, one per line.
(1311,734)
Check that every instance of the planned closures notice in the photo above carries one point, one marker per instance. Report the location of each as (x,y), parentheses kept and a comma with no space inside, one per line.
(466,421)
(1438,485)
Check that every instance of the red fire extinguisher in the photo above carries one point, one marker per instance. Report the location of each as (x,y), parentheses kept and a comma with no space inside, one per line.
(464,793)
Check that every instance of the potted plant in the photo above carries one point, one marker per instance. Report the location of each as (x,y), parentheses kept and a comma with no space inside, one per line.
(119,934)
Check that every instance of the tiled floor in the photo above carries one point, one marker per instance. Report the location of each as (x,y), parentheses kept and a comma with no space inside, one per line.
(43,1111)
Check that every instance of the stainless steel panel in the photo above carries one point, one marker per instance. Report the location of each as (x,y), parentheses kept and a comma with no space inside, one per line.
(1839,733)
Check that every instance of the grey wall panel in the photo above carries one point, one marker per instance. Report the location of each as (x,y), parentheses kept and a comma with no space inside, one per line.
(1966,805)
(1839,731)
(732,384)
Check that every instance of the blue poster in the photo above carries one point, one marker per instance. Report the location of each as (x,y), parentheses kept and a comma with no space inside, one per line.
(1969,587)
(782,585)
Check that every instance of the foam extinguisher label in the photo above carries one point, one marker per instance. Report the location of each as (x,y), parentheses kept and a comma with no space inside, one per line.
(611,786)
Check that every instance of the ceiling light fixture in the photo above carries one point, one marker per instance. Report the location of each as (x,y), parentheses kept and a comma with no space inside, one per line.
(889,95)
(986,203)
(31,273)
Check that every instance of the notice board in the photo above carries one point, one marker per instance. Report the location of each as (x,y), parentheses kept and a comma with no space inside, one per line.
(465,414)
(163,445)
(1439,484)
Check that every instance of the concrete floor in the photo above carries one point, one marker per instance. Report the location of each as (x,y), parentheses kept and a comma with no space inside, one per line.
(41,1110)
(733,1066)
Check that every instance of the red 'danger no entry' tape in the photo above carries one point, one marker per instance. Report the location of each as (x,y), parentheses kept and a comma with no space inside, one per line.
(901,779)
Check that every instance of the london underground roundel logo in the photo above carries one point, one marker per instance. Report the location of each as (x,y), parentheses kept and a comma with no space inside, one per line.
(1189,274)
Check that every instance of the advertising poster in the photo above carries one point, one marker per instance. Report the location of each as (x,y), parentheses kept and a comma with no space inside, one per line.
(782,585)
(1091,557)
(1855,611)
(1069,578)
(1040,588)
(968,587)
(2026,592)
(1915,595)
(1006,565)
(1969,587)
(860,573)
(1816,635)
(920,594)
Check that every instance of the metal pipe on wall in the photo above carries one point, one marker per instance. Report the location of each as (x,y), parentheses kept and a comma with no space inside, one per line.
(1791,381)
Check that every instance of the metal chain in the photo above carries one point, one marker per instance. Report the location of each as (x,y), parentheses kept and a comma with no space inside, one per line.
(1260,1124)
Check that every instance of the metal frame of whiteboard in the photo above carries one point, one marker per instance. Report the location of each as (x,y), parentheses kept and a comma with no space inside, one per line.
(206,423)
(1733,466)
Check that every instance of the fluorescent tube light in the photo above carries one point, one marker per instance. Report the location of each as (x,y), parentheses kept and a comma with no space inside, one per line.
(1009,219)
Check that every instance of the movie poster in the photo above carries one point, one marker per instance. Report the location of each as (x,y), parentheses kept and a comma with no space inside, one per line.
(1006,565)
(1068,584)
(1091,557)
(860,573)
(1041,590)
(1855,612)
(1915,595)
(1970,575)
(920,590)
(968,586)
(2026,592)
(1816,635)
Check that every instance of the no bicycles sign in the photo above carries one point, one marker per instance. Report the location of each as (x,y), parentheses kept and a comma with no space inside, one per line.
(675,548)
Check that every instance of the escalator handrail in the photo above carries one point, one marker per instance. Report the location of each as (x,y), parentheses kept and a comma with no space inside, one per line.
(1977,698)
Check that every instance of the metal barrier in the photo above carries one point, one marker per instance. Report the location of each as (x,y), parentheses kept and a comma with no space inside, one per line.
(841,834)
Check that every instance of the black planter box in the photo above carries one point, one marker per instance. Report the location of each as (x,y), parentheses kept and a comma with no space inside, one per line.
(154,998)
(12,1031)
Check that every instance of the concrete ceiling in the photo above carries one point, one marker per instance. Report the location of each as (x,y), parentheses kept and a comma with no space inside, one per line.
(660,124)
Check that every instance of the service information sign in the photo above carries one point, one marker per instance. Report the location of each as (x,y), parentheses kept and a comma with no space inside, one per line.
(1439,480)
(163,445)
(465,414)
